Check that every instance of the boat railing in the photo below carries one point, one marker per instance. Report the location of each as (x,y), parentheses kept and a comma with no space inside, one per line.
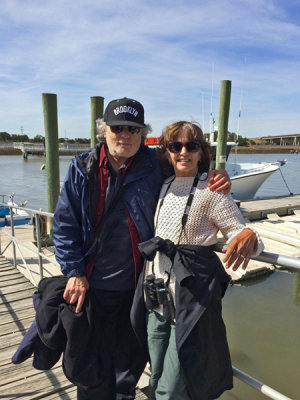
(291,263)
(2,199)
(249,168)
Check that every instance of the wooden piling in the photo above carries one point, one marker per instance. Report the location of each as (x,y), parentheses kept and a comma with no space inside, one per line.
(51,146)
(97,106)
(224,105)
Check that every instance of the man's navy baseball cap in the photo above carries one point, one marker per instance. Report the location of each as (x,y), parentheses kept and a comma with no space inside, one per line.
(124,111)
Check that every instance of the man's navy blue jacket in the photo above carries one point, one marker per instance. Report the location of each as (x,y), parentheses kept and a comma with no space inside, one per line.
(73,231)
(75,214)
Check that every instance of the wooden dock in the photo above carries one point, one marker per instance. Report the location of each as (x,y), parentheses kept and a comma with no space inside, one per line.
(38,149)
(258,209)
(22,381)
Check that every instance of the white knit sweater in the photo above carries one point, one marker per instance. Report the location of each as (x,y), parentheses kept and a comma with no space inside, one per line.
(209,212)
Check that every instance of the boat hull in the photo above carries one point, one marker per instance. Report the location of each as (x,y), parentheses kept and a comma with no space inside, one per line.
(18,220)
(20,217)
(245,186)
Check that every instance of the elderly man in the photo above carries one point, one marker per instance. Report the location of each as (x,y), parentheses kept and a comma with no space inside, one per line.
(117,182)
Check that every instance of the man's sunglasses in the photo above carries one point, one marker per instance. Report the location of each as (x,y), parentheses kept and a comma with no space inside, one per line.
(176,147)
(119,128)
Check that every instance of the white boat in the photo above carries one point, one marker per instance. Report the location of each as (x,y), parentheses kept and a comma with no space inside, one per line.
(20,217)
(247,178)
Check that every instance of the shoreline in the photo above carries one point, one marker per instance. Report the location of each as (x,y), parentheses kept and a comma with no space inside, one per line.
(8,151)
(18,152)
(262,149)
(258,149)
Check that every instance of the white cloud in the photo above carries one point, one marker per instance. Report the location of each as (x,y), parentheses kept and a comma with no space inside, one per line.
(159,52)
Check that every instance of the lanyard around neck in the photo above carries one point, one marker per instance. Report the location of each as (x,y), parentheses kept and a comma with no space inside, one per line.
(183,219)
(187,206)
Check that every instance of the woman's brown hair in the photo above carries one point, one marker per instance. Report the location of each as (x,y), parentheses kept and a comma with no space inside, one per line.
(171,134)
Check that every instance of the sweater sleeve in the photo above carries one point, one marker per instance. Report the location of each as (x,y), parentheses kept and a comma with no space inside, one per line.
(228,218)
(67,226)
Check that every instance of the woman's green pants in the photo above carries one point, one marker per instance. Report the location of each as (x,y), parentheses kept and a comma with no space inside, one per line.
(167,380)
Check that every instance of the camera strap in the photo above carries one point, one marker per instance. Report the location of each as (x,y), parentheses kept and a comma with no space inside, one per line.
(184,216)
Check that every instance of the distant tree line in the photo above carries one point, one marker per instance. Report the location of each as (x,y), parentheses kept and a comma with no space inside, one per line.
(6,137)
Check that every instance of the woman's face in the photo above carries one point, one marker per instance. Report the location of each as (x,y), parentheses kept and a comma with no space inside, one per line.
(185,162)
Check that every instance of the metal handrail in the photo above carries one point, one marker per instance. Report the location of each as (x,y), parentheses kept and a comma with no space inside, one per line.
(16,242)
(290,263)
(273,258)
(261,387)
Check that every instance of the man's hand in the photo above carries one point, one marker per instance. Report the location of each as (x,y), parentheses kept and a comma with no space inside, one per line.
(219,181)
(75,291)
(240,249)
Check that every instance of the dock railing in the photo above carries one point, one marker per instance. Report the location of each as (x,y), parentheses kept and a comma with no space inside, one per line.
(38,218)
(290,263)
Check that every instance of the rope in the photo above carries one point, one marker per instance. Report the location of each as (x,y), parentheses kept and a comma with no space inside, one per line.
(291,194)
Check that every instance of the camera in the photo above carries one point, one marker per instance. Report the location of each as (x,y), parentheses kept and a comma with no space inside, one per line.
(156,294)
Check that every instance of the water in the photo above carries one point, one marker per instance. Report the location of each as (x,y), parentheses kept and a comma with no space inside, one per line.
(274,185)
(262,317)
(26,180)
(30,183)
(263,328)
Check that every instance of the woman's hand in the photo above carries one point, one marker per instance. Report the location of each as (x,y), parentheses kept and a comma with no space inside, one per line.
(219,181)
(75,291)
(240,249)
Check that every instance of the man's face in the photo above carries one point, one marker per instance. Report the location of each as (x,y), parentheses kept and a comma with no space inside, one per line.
(123,144)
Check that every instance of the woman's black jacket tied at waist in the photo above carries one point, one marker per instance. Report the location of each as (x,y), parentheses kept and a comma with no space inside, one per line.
(201,282)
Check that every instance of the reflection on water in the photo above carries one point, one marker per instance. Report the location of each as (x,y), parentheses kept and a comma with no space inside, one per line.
(263,328)
(296,294)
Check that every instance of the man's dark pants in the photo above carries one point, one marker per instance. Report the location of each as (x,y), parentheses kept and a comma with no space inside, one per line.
(120,349)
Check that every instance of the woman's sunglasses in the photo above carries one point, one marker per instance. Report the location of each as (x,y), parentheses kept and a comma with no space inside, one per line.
(119,128)
(176,147)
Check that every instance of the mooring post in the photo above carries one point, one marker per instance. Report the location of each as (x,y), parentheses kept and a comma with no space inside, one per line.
(224,105)
(51,147)
(97,106)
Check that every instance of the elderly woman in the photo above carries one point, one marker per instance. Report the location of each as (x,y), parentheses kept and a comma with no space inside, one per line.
(184,280)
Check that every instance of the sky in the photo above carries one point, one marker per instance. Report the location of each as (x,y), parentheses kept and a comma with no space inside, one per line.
(170,55)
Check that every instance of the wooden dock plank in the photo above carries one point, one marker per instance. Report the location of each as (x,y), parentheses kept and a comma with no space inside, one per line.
(18,305)
(17,287)
(5,268)
(11,279)
(7,318)
(10,297)
(19,324)
(7,353)
(35,386)
(11,373)
(67,394)
(13,338)
(257,209)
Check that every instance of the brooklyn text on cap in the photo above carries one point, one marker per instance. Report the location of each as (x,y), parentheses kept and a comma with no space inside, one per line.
(124,112)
